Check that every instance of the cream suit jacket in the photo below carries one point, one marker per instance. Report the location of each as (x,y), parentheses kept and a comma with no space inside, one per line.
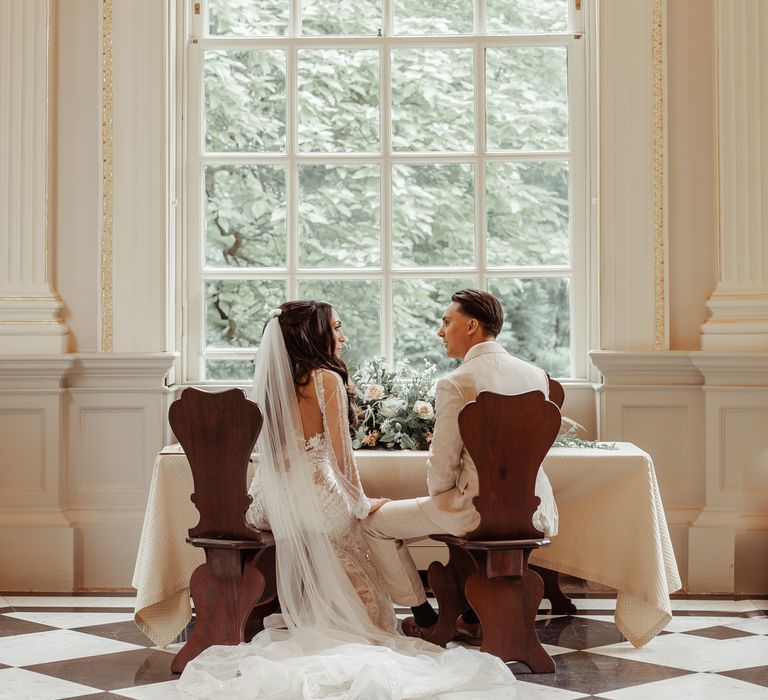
(451,475)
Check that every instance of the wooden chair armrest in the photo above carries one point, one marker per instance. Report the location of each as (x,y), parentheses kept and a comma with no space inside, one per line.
(266,539)
(492,544)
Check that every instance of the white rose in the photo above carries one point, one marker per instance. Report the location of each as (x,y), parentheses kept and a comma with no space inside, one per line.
(374,392)
(390,406)
(423,409)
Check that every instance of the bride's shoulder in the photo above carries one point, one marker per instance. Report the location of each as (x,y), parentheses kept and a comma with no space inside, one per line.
(329,378)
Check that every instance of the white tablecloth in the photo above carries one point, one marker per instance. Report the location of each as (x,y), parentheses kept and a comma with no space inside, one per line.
(612,531)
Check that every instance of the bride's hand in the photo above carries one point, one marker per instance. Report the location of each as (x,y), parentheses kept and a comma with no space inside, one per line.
(377,503)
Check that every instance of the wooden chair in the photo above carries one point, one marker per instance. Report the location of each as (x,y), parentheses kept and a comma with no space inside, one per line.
(235,588)
(561,603)
(488,568)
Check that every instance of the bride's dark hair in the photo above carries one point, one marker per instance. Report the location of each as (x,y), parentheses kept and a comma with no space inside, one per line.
(308,333)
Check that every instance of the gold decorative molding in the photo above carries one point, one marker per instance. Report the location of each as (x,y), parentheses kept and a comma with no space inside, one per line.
(659,183)
(106,178)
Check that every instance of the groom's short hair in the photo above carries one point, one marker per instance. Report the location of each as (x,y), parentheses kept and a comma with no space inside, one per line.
(483,306)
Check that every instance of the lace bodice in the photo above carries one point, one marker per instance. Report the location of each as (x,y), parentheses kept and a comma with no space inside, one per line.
(330,455)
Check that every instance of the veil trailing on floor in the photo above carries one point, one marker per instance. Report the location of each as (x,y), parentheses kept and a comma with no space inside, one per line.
(330,648)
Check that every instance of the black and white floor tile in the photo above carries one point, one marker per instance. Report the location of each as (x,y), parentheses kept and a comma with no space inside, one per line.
(87,647)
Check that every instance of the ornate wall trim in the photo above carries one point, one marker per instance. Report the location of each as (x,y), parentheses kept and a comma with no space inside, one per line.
(106,179)
(658,54)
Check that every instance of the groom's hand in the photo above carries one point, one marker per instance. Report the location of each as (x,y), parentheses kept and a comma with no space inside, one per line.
(377,503)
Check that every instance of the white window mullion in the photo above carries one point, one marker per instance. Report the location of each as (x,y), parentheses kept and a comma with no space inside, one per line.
(480,16)
(193,322)
(294,18)
(292,136)
(292,168)
(580,195)
(198,24)
(385,91)
(480,150)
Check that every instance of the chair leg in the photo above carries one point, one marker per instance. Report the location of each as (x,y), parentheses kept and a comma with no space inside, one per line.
(268,603)
(561,603)
(507,609)
(223,601)
(447,583)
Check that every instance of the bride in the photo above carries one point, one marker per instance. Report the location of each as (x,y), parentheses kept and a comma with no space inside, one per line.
(339,640)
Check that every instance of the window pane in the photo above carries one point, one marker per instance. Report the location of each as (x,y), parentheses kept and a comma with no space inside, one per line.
(537,324)
(526,16)
(527,213)
(358,303)
(526,98)
(229,369)
(237,310)
(432,100)
(429,17)
(245,216)
(339,215)
(418,307)
(245,100)
(361,17)
(338,100)
(248,17)
(433,211)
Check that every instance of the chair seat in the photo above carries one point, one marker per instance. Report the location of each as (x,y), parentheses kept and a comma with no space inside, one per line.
(265,539)
(492,544)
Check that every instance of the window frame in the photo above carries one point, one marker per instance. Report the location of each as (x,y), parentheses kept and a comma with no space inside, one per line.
(191,275)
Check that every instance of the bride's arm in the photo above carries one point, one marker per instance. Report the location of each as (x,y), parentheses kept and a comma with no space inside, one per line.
(334,404)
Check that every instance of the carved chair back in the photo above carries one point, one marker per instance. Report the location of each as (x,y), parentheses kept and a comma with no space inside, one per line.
(508,438)
(218,432)
(556,392)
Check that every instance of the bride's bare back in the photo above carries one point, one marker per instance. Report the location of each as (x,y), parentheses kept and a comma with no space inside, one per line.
(309,408)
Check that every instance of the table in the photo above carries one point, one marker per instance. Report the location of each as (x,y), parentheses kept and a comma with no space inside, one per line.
(612,531)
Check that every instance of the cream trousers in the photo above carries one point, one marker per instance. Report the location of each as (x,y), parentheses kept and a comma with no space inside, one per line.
(387,531)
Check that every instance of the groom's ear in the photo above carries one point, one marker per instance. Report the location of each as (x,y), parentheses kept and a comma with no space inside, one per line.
(472,326)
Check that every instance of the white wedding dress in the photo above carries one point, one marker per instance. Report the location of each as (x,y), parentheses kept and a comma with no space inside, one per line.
(329,455)
(340,642)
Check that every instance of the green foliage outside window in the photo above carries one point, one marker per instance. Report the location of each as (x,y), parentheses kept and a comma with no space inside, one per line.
(433,205)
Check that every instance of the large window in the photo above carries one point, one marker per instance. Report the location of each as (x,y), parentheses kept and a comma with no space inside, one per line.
(380,155)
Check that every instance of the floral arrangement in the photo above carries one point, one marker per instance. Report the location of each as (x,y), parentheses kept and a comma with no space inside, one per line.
(567,437)
(396,408)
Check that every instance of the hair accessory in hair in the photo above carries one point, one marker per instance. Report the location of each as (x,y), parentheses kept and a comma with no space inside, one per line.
(275,313)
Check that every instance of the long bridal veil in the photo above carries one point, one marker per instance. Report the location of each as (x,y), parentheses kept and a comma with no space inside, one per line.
(330,648)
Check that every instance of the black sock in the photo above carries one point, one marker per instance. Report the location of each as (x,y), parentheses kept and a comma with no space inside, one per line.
(470,617)
(424,615)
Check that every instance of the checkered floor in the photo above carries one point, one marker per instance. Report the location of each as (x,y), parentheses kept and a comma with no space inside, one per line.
(55,647)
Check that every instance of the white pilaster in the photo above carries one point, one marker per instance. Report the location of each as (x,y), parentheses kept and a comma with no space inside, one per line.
(735,477)
(633,175)
(29,308)
(139,174)
(739,304)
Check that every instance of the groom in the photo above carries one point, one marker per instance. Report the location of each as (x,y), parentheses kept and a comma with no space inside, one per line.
(469,329)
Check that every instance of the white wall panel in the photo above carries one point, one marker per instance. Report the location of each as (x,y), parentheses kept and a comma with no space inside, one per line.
(664,432)
(22,437)
(139,171)
(113,443)
(116,413)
